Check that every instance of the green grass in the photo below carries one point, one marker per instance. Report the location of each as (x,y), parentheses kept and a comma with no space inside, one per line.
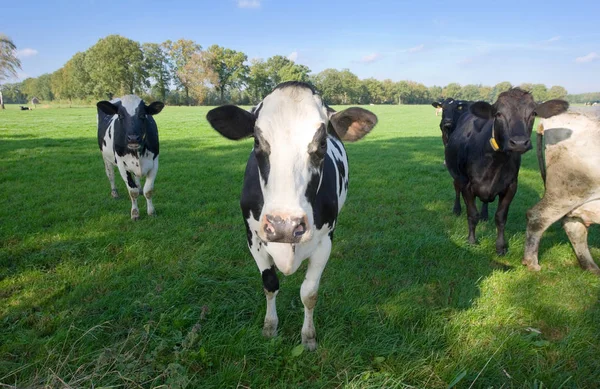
(89,298)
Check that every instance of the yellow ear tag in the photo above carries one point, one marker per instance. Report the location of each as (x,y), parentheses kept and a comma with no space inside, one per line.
(494,144)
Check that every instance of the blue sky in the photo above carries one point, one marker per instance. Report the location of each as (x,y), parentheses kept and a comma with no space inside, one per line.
(432,42)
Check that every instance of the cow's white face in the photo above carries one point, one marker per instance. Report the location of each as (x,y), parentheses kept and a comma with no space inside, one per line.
(290,146)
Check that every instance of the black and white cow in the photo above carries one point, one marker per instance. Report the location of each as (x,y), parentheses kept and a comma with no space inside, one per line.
(571,174)
(295,184)
(128,138)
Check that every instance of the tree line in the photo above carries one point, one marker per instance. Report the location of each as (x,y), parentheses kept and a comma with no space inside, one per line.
(183,73)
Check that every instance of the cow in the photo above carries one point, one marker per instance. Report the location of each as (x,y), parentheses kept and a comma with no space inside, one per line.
(483,154)
(452,110)
(572,179)
(295,184)
(438,110)
(23,108)
(128,138)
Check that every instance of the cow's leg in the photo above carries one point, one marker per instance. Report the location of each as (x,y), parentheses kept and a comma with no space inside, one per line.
(501,215)
(149,188)
(266,266)
(309,289)
(456,208)
(578,235)
(110,173)
(472,215)
(134,191)
(539,218)
(483,215)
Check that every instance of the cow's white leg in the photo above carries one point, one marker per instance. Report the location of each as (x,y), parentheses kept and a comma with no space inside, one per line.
(309,289)
(110,173)
(149,188)
(266,266)
(578,235)
(134,191)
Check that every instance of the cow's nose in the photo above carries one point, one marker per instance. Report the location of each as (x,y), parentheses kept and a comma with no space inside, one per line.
(520,145)
(284,229)
(133,138)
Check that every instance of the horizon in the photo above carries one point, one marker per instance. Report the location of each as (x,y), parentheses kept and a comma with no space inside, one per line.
(433,44)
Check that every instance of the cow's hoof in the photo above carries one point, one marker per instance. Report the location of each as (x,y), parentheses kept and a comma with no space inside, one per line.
(456,211)
(152,213)
(502,251)
(135,214)
(483,218)
(309,343)
(269,329)
(472,240)
(114,194)
(533,266)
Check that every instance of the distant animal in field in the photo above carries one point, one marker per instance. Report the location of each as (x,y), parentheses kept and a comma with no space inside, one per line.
(483,154)
(23,108)
(571,173)
(128,138)
(295,185)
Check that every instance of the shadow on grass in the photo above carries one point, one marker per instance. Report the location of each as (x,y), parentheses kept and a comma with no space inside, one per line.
(402,283)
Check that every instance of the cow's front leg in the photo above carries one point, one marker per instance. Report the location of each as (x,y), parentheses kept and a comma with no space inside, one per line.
(266,266)
(309,290)
(578,235)
(472,215)
(134,191)
(149,188)
(501,215)
(110,173)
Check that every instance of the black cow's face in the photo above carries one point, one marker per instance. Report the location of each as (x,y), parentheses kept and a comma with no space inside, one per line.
(514,113)
(451,111)
(132,119)
(290,129)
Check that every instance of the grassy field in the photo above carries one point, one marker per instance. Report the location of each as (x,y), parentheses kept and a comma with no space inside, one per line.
(89,298)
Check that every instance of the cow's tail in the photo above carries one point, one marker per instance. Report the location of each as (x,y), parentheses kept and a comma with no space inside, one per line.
(540,152)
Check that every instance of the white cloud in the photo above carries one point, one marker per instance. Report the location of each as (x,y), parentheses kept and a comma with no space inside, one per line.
(553,39)
(587,58)
(24,53)
(416,49)
(370,58)
(293,56)
(248,3)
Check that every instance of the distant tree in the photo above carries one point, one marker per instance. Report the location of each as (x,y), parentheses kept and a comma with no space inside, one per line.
(470,92)
(556,92)
(228,67)
(180,53)
(403,92)
(281,69)
(9,63)
(197,76)
(40,87)
(116,66)
(338,87)
(78,77)
(259,83)
(13,93)
(526,86)
(484,93)
(156,63)
(60,84)
(499,88)
(435,93)
(374,91)
(539,92)
(452,90)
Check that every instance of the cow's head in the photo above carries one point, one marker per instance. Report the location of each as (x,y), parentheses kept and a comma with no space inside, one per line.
(451,111)
(290,127)
(514,113)
(132,121)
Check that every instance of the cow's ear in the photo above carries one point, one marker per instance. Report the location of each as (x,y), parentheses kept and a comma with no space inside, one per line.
(232,122)
(436,104)
(353,123)
(155,108)
(482,109)
(107,107)
(551,108)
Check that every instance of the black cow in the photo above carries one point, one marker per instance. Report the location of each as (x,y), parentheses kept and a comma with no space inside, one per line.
(483,154)
(23,108)
(295,184)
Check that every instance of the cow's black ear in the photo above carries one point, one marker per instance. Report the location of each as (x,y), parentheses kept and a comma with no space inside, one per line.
(482,109)
(353,123)
(436,104)
(107,107)
(155,108)
(232,122)
(551,108)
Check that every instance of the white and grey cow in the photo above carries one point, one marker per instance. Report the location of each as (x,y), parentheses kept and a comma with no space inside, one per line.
(128,138)
(572,177)
(295,184)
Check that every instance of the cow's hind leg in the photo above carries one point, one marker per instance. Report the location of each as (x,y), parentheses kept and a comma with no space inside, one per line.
(501,216)
(456,208)
(309,290)
(578,235)
(472,215)
(149,188)
(110,173)
(483,215)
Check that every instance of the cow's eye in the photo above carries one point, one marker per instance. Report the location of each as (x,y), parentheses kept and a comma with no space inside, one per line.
(323,145)
(256,143)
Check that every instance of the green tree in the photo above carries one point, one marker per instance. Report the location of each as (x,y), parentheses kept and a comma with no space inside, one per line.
(180,53)
(436,93)
(470,92)
(452,90)
(9,63)
(484,93)
(259,83)
(39,87)
(13,93)
(338,87)
(78,77)
(499,88)
(556,92)
(228,67)
(116,66)
(374,91)
(539,92)
(156,63)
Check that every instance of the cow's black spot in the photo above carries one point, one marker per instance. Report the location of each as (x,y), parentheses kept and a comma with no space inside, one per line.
(341,174)
(252,197)
(248,233)
(270,280)
(553,136)
(130,180)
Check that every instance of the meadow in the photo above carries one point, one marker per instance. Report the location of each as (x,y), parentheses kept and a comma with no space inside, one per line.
(90,298)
